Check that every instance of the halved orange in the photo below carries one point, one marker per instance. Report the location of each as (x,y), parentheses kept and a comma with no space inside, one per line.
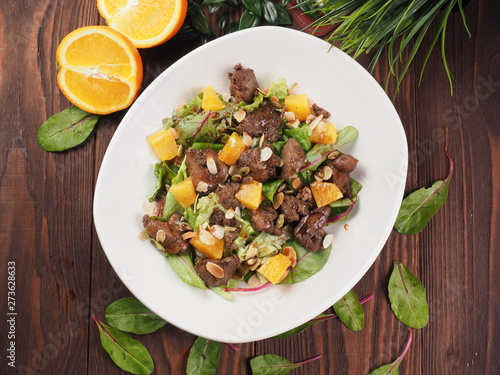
(99,69)
(147,23)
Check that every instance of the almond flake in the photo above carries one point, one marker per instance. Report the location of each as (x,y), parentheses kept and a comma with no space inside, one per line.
(297,183)
(265,154)
(229,229)
(254,281)
(315,122)
(321,127)
(202,187)
(290,253)
(207,238)
(232,170)
(215,270)
(346,226)
(161,236)
(226,96)
(211,165)
(239,115)
(188,235)
(229,214)
(290,116)
(293,124)
(328,240)
(262,139)
(247,140)
(254,266)
(251,252)
(237,211)
(180,150)
(217,231)
(309,118)
(174,132)
(327,172)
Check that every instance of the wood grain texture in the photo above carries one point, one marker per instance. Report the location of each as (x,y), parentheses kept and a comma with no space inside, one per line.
(63,276)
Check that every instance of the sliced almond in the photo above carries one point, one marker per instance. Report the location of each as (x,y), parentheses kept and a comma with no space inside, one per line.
(216,270)
(180,150)
(237,211)
(174,132)
(346,226)
(321,127)
(226,96)
(233,169)
(247,139)
(265,154)
(188,235)
(315,122)
(262,139)
(278,200)
(239,115)
(207,238)
(161,236)
(254,281)
(293,124)
(229,229)
(251,252)
(289,116)
(202,187)
(211,165)
(328,240)
(290,253)
(280,221)
(309,118)
(229,214)
(217,231)
(297,183)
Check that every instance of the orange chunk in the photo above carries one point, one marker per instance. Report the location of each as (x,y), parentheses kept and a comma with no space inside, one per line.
(184,192)
(275,269)
(324,132)
(298,104)
(232,149)
(207,244)
(325,192)
(250,194)
(210,100)
(163,144)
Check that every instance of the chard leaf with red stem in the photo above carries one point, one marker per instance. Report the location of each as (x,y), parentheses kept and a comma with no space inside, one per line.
(272,364)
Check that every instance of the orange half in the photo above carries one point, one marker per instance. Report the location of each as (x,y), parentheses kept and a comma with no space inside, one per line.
(99,69)
(147,23)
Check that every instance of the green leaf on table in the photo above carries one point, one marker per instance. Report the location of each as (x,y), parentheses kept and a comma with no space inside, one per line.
(127,353)
(269,11)
(408,297)
(421,205)
(130,315)
(272,364)
(308,263)
(350,311)
(66,129)
(393,368)
(204,357)
(254,6)
(248,19)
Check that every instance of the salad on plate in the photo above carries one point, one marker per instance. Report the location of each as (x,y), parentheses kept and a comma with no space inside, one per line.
(246,183)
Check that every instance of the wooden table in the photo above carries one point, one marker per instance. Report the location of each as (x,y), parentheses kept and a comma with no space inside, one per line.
(62,276)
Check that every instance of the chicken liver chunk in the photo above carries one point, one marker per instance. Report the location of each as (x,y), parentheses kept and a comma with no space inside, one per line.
(293,208)
(173,241)
(309,231)
(228,264)
(264,120)
(226,194)
(196,161)
(263,219)
(345,163)
(243,85)
(293,158)
(259,170)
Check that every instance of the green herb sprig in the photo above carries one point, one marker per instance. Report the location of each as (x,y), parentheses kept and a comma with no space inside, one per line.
(365,26)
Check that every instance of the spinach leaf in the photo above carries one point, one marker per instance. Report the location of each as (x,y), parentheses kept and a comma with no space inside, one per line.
(350,311)
(130,315)
(183,266)
(301,135)
(345,136)
(303,327)
(408,297)
(254,6)
(164,175)
(421,205)
(204,357)
(270,188)
(248,19)
(128,354)
(342,205)
(66,129)
(393,368)
(272,364)
(308,263)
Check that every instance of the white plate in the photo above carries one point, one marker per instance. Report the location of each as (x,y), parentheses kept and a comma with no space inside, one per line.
(332,80)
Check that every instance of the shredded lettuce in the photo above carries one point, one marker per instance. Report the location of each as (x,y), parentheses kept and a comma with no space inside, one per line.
(278,89)
(267,244)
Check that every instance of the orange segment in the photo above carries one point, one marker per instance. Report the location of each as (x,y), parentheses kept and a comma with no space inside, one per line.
(99,69)
(147,23)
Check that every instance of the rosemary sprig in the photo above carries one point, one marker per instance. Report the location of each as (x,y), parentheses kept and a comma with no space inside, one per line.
(366,26)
